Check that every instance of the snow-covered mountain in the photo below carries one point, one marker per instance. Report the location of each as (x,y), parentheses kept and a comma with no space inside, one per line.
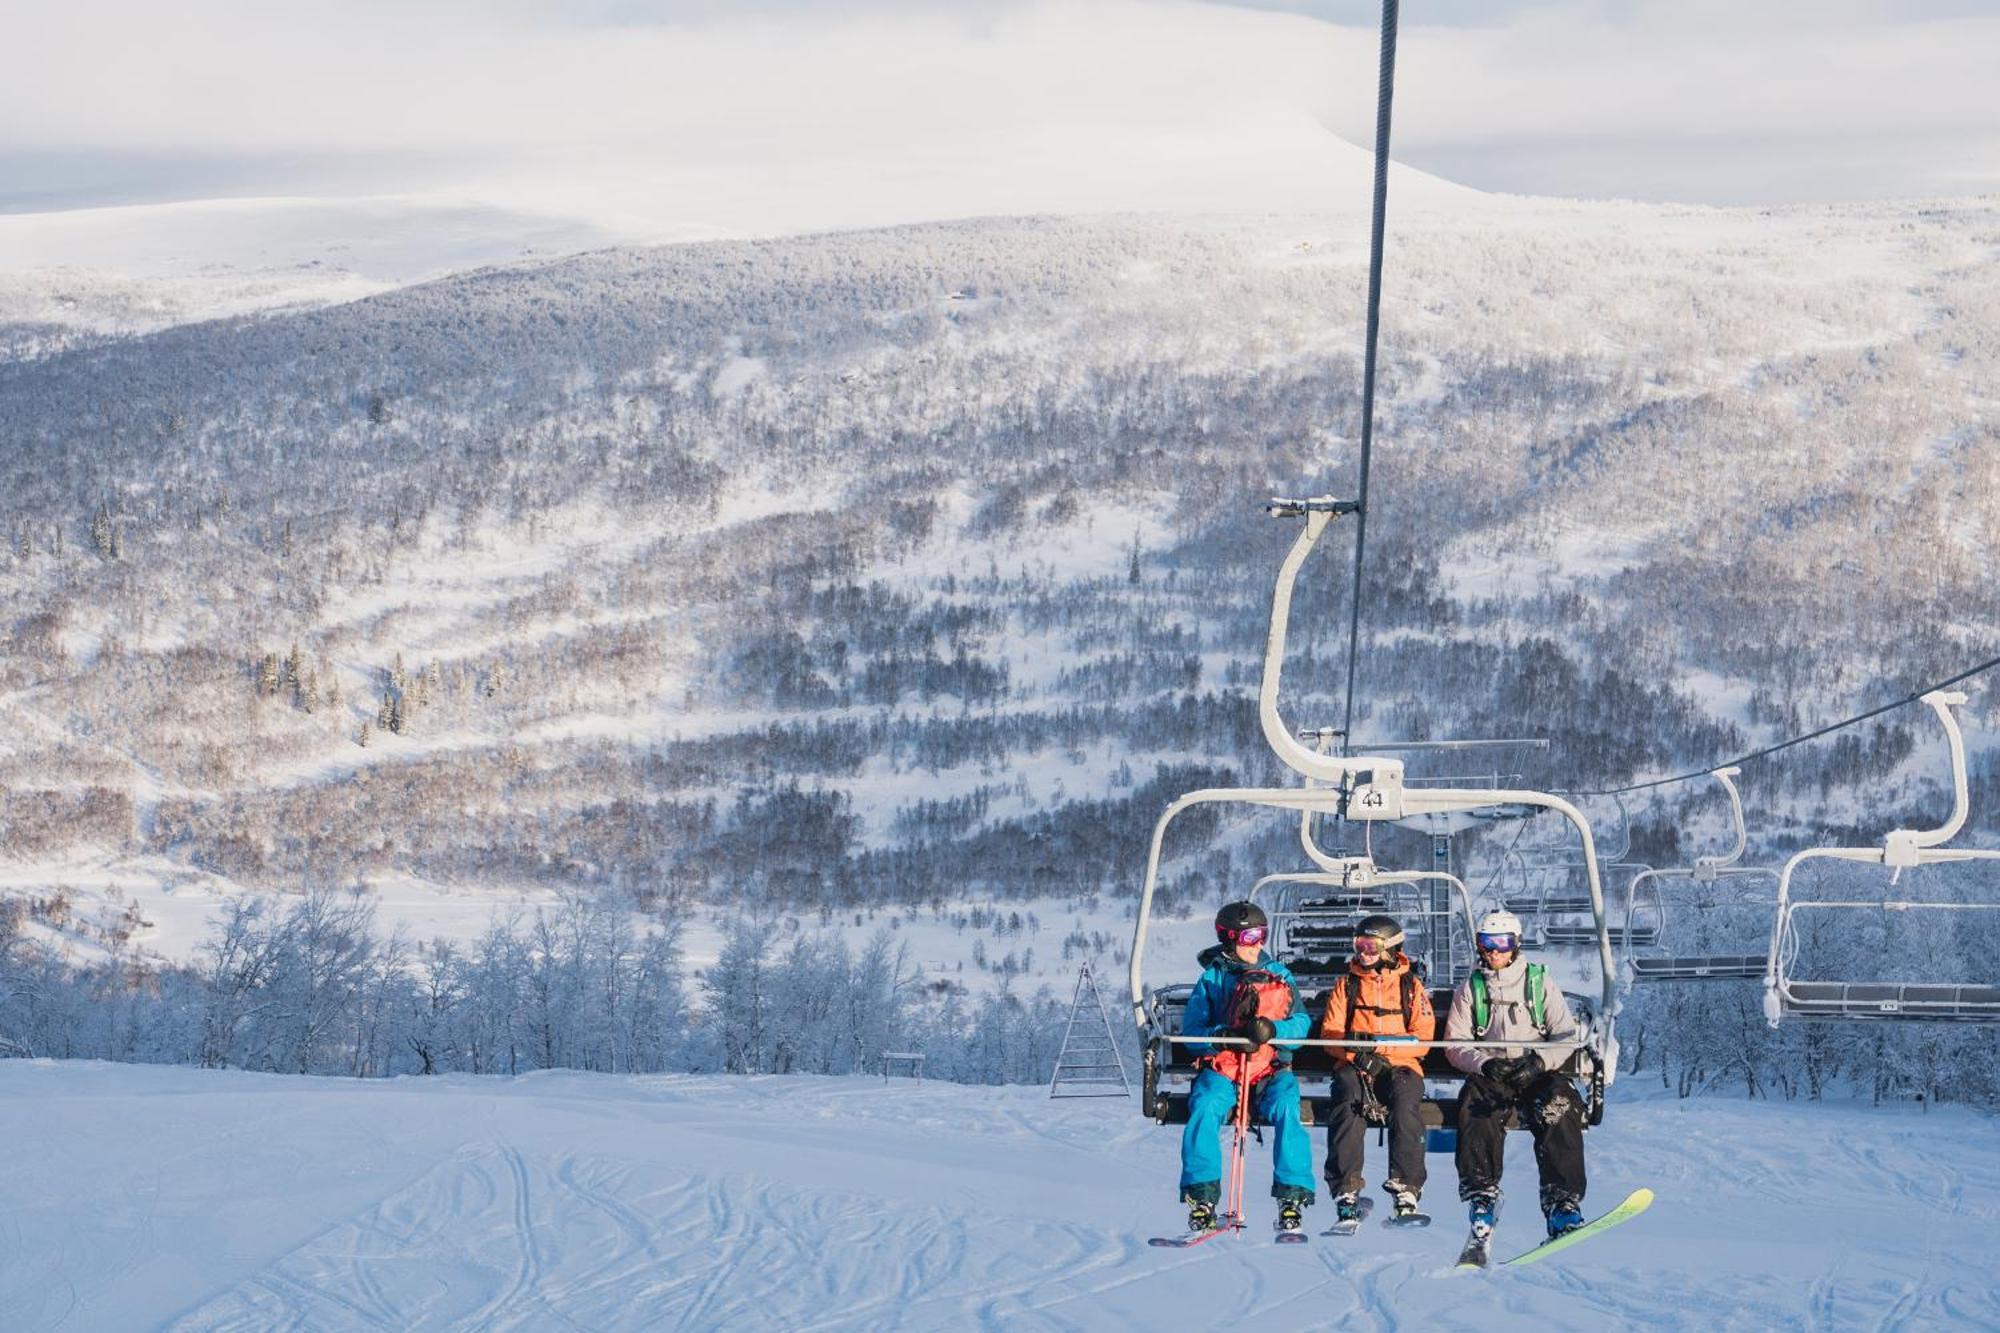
(895,573)
(83,274)
(564,1200)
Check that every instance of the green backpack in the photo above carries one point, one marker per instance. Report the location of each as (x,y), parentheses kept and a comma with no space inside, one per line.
(1538,1004)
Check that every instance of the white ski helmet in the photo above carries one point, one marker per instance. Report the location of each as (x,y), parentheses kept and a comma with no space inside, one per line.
(1501,922)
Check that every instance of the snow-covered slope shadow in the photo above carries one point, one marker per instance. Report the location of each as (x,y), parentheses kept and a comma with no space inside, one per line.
(497,1239)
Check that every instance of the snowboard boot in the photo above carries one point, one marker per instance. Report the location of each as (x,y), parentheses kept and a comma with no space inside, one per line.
(1291,1214)
(1482,1210)
(1564,1214)
(1347,1208)
(1201,1215)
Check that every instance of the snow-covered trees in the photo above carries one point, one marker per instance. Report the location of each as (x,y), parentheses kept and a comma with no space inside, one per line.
(307,985)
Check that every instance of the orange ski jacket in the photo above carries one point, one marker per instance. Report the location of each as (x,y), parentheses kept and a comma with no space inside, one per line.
(1388,1001)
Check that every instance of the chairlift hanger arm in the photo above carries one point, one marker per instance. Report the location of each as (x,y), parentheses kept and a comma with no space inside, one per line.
(1317,512)
(1713,863)
(1905,847)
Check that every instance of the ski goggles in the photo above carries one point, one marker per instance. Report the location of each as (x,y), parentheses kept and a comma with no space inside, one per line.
(1247,935)
(1367,944)
(1506,943)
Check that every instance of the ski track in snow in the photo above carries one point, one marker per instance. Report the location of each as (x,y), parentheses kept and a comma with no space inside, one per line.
(564,1201)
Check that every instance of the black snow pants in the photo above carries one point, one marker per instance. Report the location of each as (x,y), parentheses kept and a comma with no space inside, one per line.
(1401,1092)
(1549,1109)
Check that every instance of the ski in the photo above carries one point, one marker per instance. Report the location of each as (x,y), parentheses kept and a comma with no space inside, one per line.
(1407,1220)
(1366,1204)
(1296,1236)
(1637,1202)
(1188,1238)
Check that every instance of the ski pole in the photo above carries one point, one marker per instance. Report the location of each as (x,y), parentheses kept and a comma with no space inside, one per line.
(1242,1133)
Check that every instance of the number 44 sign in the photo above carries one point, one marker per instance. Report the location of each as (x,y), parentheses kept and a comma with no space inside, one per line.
(1376,796)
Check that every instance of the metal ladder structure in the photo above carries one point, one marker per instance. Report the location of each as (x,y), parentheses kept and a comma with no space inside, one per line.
(1088,1059)
(1788,995)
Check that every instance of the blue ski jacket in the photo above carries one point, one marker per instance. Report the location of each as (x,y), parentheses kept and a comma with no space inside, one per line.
(1210,1000)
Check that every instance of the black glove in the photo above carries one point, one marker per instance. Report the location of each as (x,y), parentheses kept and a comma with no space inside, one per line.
(1527,1068)
(1515,1075)
(1370,1062)
(1258,1029)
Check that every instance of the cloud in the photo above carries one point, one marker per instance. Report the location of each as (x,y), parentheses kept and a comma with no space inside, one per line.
(1701,70)
(779,118)
(769,114)
(257,77)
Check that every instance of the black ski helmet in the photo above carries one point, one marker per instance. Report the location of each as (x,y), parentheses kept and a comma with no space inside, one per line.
(1386,931)
(1235,918)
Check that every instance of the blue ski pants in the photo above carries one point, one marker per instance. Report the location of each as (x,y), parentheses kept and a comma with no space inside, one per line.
(1211,1109)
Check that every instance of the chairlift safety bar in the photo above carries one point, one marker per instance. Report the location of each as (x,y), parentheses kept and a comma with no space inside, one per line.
(1289,1043)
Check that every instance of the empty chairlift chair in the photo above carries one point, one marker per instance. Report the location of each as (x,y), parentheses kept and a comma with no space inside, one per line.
(1705,870)
(1551,910)
(1434,908)
(1789,995)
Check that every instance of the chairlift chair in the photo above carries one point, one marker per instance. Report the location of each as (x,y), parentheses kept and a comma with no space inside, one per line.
(1420,900)
(1554,865)
(1787,995)
(1354,788)
(1314,915)
(1705,870)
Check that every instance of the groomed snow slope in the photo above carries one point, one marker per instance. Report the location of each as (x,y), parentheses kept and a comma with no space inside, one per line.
(142,1197)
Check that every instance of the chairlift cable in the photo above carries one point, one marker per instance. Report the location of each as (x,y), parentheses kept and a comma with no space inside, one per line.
(1385,85)
(1706,769)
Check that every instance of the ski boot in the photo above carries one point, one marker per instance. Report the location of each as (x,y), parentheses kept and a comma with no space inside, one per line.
(1291,1214)
(1564,1214)
(1201,1215)
(1482,1208)
(1483,1211)
(1405,1212)
(1347,1208)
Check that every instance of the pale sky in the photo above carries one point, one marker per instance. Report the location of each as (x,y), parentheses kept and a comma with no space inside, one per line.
(768,114)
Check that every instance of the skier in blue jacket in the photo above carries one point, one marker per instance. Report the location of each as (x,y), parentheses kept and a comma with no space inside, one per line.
(1215,1009)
